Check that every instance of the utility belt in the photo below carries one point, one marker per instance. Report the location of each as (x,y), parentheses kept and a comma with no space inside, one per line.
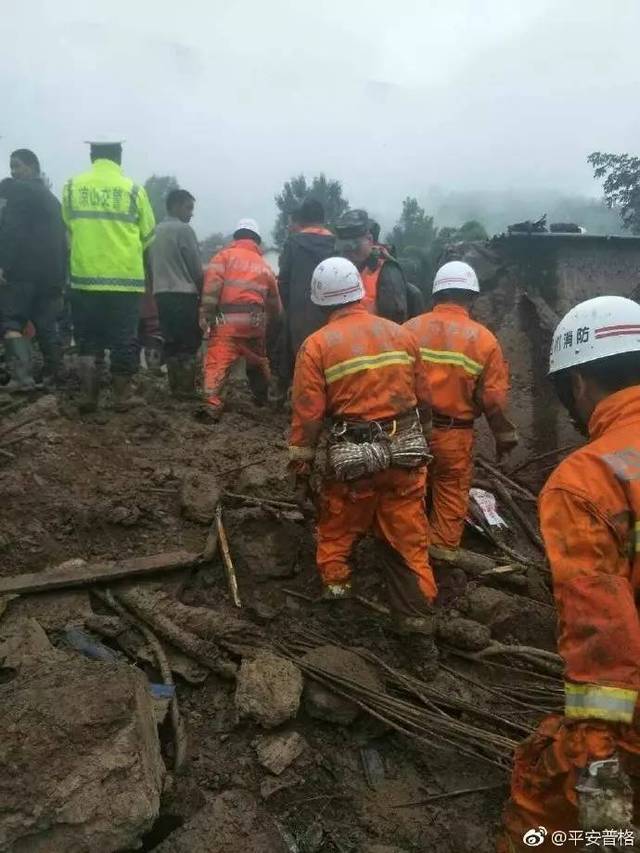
(241,314)
(361,448)
(441,421)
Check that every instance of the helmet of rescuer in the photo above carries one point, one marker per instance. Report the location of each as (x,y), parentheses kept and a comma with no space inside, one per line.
(598,328)
(336,281)
(456,275)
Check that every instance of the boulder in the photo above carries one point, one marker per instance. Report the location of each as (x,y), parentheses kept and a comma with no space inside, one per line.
(233,821)
(24,645)
(80,764)
(277,752)
(513,617)
(199,496)
(268,690)
(319,701)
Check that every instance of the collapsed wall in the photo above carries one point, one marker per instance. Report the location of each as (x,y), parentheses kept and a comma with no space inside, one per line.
(529,281)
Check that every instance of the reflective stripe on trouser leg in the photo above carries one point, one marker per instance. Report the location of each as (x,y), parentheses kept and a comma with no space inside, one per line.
(400,520)
(222,352)
(450,476)
(345,514)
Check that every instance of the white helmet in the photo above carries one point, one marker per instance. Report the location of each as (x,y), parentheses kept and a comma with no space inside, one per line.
(336,281)
(456,275)
(105,139)
(597,328)
(248,225)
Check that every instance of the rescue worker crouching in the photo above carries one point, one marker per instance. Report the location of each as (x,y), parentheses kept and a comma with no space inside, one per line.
(364,374)
(239,297)
(590,522)
(468,377)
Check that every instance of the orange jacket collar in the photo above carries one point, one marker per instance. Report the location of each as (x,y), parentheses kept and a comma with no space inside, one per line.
(347,310)
(616,410)
(452,307)
(245,244)
(316,229)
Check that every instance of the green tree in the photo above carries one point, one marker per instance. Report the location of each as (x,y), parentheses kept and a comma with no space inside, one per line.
(158,187)
(327,191)
(414,228)
(210,245)
(621,173)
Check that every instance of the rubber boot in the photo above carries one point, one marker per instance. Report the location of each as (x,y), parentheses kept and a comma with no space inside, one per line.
(189,369)
(89,385)
(18,355)
(123,398)
(174,375)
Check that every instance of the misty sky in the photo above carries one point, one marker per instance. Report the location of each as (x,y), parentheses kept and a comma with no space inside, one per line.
(392,98)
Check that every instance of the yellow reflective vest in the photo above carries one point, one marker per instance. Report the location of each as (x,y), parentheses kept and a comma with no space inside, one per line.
(111,223)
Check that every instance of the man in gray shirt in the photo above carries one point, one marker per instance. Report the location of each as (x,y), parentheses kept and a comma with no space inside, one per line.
(177,281)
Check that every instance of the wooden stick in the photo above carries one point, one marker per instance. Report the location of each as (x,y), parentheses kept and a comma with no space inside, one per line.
(447,794)
(226,556)
(542,456)
(302,595)
(527,526)
(7,453)
(91,573)
(259,501)
(524,493)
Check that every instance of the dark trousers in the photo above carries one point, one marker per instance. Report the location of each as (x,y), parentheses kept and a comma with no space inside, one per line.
(179,323)
(107,320)
(24,301)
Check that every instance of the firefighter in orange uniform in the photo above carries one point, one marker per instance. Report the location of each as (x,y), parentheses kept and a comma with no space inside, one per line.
(364,374)
(239,297)
(590,522)
(468,377)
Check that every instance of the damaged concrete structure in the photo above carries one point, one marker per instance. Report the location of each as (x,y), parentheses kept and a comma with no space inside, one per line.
(529,281)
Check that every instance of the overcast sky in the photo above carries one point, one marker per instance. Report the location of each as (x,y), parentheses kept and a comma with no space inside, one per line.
(392,98)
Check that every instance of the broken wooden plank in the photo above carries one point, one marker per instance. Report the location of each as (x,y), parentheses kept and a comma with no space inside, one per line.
(91,573)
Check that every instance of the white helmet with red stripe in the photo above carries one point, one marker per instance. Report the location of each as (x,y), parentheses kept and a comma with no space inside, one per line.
(598,328)
(336,281)
(456,275)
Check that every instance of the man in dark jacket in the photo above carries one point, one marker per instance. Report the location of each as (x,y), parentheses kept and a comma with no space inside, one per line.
(305,248)
(416,304)
(384,283)
(32,269)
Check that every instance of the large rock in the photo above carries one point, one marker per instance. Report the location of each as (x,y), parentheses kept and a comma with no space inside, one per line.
(513,617)
(319,701)
(277,752)
(80,764)
(199,496)
(233,821)
(268,690)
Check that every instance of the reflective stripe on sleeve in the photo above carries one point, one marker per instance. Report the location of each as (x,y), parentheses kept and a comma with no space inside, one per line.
(637,537)
(103,214)
(458,359)
(366,362)
(594,701)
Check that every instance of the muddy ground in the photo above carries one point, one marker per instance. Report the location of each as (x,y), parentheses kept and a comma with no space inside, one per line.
(109,487)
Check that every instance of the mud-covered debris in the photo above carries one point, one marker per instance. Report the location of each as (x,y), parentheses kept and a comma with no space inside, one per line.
(277,752)
(513,616)
(272,784)
(55,611)
(24,644)
(321,702)
(268,690)
(233,821)
(464,634)
(199,496)
(82,769)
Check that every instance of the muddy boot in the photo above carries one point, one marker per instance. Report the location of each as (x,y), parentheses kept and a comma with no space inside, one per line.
(174,376)
(182,378)
(123,397)
(207,412)
(89,388)
(18,355)
(336,592)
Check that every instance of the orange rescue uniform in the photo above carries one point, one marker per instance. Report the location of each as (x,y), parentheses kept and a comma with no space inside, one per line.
(364,368)
(468,377)
(239,296)
(590,521)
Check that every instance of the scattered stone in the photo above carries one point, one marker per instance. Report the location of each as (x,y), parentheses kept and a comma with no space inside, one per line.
(272,784)
(464,634)
(127,516)
(253,478)
(24,644)
(319,701)
(199,496)
(232,821)
(277,752)
(268,690)
(81,764)
(268,547)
